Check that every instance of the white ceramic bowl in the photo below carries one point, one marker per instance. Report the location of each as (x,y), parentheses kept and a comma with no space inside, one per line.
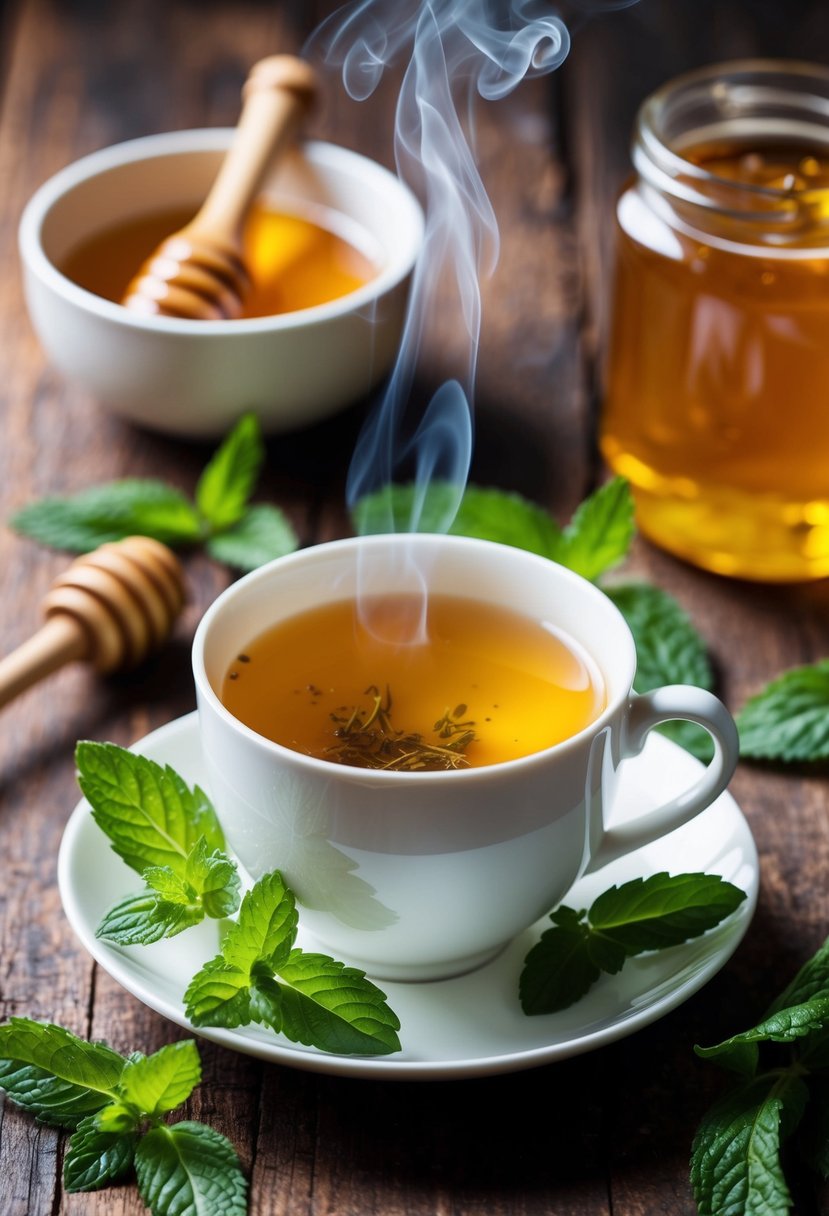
(194,378)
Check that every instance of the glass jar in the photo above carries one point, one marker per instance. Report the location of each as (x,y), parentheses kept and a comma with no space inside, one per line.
(716,399)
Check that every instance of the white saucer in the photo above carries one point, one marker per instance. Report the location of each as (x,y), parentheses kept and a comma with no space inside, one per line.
(465,1027)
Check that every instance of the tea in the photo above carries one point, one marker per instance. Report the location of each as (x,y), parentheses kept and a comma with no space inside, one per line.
(719,362)
(476,684)
(294,262)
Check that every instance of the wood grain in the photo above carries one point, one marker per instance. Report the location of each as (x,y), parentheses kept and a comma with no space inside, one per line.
(605,1134)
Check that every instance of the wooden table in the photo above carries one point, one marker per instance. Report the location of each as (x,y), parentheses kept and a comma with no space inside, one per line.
(606,1132)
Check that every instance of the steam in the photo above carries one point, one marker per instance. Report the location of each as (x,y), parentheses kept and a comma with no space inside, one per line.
(457,50)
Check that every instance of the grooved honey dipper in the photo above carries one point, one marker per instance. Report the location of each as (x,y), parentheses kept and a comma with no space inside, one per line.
(199,272)
(111,607)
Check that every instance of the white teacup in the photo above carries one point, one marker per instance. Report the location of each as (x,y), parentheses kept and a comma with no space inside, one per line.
(424,875)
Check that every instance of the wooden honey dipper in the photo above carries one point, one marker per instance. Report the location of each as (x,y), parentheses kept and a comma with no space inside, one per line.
(111,607)
(199,272)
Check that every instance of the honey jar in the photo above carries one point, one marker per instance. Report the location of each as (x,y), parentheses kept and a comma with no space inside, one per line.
(716,385)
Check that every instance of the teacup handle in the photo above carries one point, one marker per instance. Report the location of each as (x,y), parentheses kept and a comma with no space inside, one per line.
(650,709)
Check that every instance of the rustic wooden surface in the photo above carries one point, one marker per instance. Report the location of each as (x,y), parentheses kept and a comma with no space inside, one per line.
(605,1133)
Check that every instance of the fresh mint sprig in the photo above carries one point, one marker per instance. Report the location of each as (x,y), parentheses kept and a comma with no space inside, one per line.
(642,915)
(595,541)
(171,836)
(782,1095)
(117,1109)
(310,998)
(597,538)
(220,517)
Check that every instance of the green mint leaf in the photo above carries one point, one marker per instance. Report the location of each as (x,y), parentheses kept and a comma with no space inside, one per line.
(158,1083)
(219,995)
(668,651)
(148,813)
(663,910)
(95,1157)
(735,1158)
(140,920)
(508,519)
(166,883)
(812,980)
(407,508)
(229,479)
(54,1075)
(188,1169)
(483,513)
(110,512)
(559,969)
(262,534)
(118,1118)
(789,719)
(324,1003)
(215,879)
(266,926)
(602,950)
(799,1022)
(600,533)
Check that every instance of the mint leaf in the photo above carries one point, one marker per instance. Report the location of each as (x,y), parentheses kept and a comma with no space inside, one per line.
(314,1000)
(214,878)
(110,512)
(326,1004)
(600,533)
(507,519)
(266,927)
(219,995)
(169,885)
(789,719)
(663,910)
(172,903)
(95,1157)
(408,508)
(148,813)
(644,914)
(158,1083)
(119,1117)
(668,651)
(54,1075)
(262,534)
(229,479)
(597,538)
(558,970)
(189,1169)
(739,1052)
(735,1159)
(812,980)
(487,514)
(140,920)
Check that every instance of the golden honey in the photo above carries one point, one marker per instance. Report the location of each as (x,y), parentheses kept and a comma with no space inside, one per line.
(294,262)
(500,683)
(716,401)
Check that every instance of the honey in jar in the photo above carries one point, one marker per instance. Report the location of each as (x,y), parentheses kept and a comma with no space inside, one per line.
(295,261)
(716,400)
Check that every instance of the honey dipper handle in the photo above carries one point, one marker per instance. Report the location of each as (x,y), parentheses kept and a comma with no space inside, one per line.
(59,641)
(278,93)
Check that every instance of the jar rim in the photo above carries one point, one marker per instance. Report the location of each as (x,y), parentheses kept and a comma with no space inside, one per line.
(736,93)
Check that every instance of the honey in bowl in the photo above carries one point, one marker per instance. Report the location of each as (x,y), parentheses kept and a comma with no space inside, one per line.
(348,684)
(294,261)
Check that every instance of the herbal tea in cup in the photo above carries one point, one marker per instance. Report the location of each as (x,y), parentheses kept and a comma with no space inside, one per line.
(424,733)
(406,684)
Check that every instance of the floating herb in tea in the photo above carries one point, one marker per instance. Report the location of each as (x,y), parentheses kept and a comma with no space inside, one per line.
(367,738)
